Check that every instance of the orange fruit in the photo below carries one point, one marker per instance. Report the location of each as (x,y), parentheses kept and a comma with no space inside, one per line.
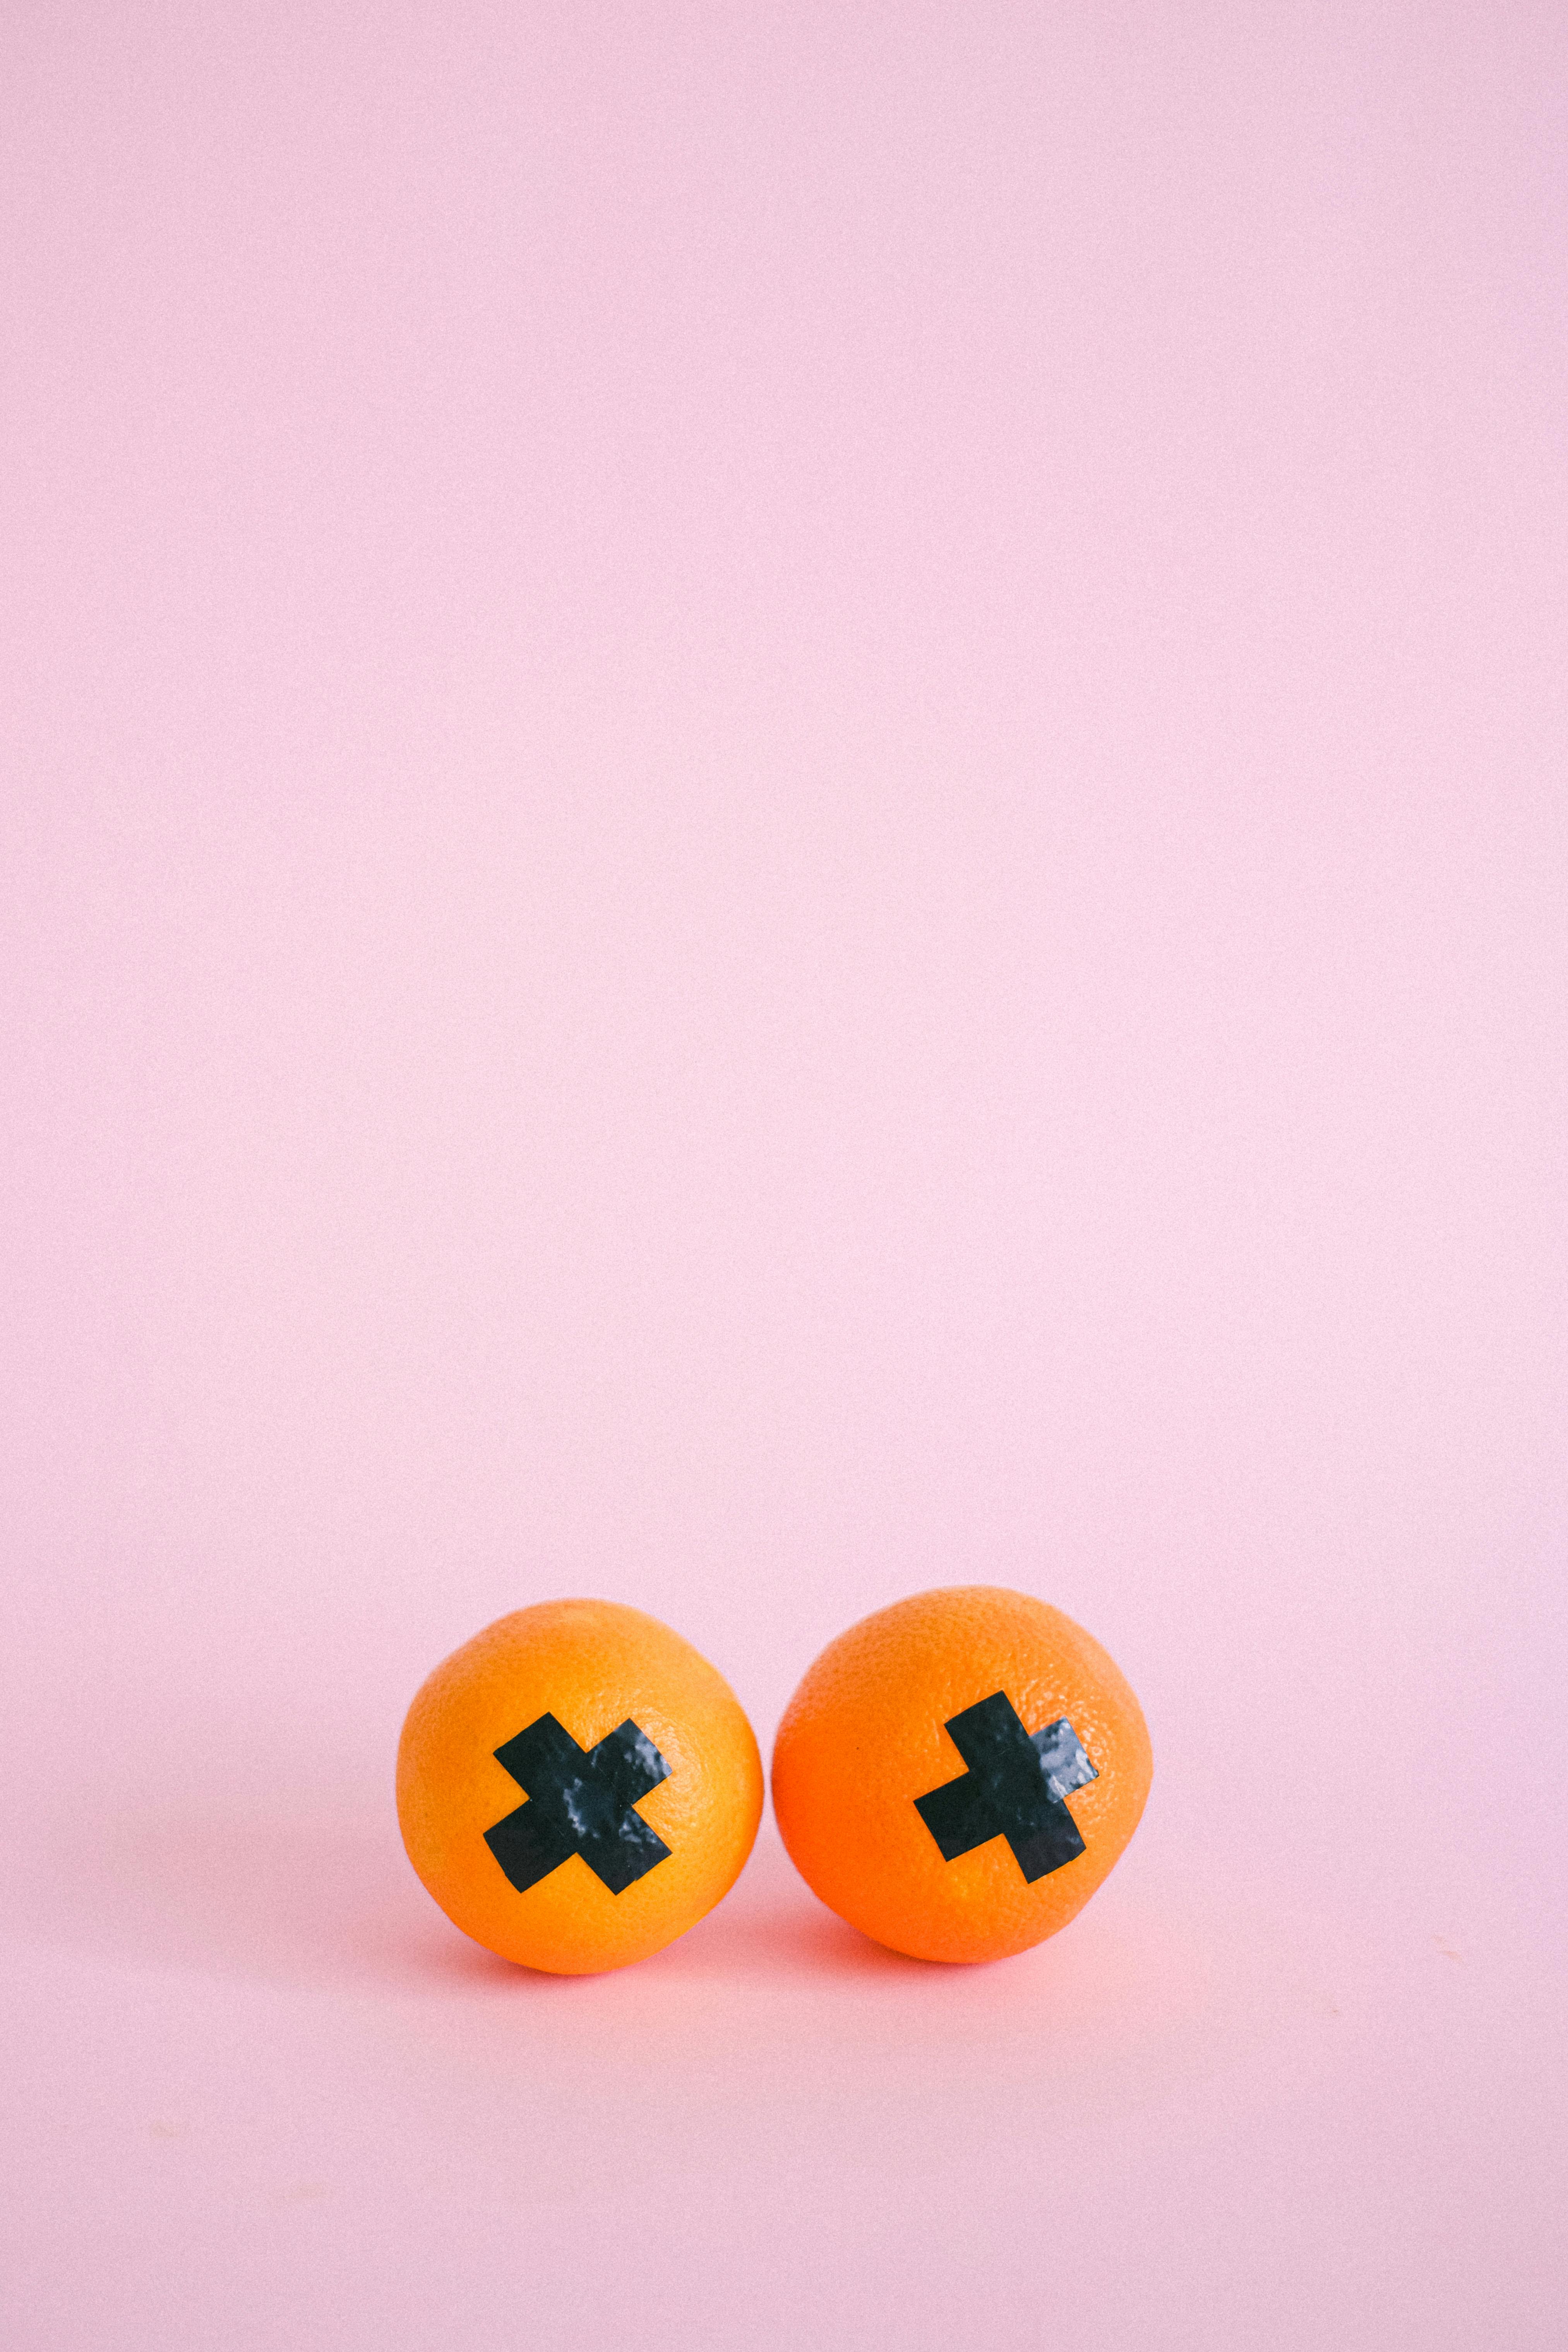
(957,1774)
(576,1785)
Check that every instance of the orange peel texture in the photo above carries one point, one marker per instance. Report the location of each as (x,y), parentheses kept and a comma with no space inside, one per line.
(623,1741)
(864,1737)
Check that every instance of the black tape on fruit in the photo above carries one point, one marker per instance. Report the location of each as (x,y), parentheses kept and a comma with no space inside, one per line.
(579,1802)
(1015,1788)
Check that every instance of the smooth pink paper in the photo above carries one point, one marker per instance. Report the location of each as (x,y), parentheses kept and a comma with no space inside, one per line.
(784,816)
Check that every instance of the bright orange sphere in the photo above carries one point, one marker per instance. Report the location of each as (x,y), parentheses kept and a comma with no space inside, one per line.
(621,1806)
(958,1773)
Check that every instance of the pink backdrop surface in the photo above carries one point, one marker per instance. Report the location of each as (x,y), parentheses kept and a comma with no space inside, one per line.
(784,817)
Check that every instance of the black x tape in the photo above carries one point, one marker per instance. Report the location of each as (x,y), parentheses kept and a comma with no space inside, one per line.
(580,1801)
(1015,1788)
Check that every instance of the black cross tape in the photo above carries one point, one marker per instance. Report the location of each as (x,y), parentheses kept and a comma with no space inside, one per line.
(579,1802)
(1015,1788)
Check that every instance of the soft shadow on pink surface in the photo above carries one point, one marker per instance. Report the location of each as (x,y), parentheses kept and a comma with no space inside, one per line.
(331,1904)
(335,1903)
(304,1902)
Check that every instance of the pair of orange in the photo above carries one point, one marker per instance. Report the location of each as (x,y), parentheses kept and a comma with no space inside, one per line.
(955,1776)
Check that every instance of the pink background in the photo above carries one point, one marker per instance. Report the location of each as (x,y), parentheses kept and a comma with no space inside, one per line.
(784,817)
